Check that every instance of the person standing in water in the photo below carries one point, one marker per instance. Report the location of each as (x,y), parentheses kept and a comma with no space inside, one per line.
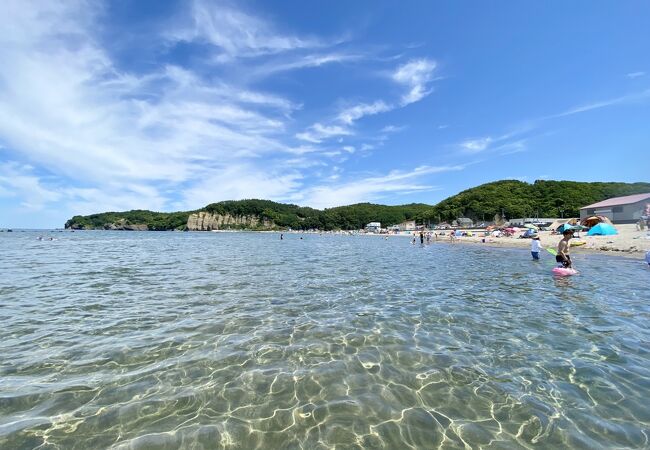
(281,236)
(563,258)
(421,237)
(535,247)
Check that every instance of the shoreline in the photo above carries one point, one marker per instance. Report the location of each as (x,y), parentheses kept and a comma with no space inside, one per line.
(629,243)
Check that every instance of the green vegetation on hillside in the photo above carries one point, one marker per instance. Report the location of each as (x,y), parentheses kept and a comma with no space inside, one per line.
(282,215)
(510,197)
(155,221)
(518,199)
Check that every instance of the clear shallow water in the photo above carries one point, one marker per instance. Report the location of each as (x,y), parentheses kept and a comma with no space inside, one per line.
(240,340)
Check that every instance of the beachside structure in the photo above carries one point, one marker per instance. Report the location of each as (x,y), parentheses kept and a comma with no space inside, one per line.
(373,227)
(627,209)
(407,225)
(463,222)
(540,221)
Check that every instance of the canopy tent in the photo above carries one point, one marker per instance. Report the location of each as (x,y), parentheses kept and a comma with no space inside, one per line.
(566,226)
(556,224)
(529,233)
(602,229)
(595,220)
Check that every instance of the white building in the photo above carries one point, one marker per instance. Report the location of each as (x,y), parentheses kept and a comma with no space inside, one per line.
(627,209)
(407,225)
(542,221)
(373,227)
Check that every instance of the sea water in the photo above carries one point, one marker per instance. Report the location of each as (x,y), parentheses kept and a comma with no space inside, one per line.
(243,340)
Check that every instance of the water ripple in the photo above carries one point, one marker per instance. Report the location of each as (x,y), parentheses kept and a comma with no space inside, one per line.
(204,340)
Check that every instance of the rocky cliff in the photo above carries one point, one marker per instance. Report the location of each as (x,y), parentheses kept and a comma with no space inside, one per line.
(205,221)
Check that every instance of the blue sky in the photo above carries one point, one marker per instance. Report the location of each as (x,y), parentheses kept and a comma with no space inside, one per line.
(173,105)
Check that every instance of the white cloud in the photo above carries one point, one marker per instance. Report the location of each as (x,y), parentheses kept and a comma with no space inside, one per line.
(236,182)
(415,75)
(392,129)
(356,112)
(296,62)
(18,180)
(371,188)
(236,33)
(635,74)
(629,98)
(113,139)
(476,145)
(318,132)
(65,106)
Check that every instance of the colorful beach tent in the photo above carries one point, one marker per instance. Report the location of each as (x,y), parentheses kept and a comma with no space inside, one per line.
(595,220)
(566,226)
(602,229)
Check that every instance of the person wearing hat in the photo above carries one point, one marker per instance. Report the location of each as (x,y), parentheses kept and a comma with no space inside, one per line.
(563,258)
(535,247)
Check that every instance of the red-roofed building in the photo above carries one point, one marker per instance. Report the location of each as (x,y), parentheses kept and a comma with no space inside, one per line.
(627,209)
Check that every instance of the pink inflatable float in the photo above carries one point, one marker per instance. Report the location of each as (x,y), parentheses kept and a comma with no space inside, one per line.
(563,271)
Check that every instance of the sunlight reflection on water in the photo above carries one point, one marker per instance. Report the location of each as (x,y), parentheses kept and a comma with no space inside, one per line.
(240,340)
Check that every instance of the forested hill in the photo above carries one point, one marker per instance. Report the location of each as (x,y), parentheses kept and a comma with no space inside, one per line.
(282,215)
(516,199)
(513,198)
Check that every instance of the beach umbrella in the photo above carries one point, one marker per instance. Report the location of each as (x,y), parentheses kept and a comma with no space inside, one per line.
(602,229)
(530,226)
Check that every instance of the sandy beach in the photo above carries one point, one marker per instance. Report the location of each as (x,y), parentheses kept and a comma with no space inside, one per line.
(629,242)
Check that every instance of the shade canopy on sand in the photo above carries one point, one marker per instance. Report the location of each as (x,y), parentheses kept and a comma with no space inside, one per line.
(595,220)
(530,226)
(602,229)
(567,227)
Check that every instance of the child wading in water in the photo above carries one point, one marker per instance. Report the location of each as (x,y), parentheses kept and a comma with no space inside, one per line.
(563,258)
(535,247)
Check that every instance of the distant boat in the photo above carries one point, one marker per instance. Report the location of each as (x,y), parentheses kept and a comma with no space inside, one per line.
(9,230)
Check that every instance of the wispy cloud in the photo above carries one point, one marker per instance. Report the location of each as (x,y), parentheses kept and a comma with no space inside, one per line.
(513,142)
(103,136)
(318,132)
(236,33)
(635,74)
(372,188)
(476,145)
(356,112)
(392,129)
(629,98)
(415,75)
(18,180)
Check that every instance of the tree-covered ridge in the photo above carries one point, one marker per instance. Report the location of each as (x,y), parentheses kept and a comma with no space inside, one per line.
(511,197)
(155,221)
(515,199)
(281,214)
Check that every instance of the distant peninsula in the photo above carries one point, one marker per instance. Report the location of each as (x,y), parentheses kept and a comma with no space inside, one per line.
(511,198)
